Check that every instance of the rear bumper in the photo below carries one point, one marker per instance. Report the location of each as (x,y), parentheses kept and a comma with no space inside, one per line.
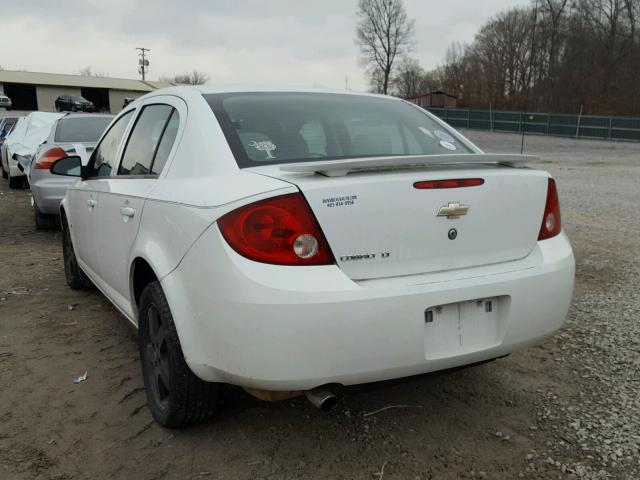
(294,328)
(49,190)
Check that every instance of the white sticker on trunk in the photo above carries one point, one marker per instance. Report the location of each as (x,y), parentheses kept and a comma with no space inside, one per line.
(447,145)
(444,136)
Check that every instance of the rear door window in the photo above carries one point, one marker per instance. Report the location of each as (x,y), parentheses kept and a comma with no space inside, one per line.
(144,140)
(166,143)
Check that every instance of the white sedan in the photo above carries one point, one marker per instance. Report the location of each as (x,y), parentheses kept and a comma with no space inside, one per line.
(290,240)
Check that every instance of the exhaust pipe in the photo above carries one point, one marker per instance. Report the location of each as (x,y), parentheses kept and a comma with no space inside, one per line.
(322,398)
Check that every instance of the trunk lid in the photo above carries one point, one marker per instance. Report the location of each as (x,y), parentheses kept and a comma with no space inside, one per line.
(379,225)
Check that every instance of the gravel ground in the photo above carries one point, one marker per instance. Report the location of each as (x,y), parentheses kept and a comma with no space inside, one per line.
(567,409)
(597,427)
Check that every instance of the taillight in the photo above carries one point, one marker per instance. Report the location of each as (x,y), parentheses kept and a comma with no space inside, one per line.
(279,230)
(551,218)
(450,183)
(50,156)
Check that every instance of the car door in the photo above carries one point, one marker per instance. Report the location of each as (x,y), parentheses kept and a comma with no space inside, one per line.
(122,203)
(83,196)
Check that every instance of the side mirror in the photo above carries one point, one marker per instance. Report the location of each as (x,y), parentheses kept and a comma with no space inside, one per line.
(67,166)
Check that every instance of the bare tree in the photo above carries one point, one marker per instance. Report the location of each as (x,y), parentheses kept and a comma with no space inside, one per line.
(384,32)
(409,78)
(195,77)
(88,72)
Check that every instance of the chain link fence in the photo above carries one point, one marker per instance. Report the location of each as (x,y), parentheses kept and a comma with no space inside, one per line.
(577,126)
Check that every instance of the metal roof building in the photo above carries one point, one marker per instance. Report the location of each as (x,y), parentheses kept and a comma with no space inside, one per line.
(38,91)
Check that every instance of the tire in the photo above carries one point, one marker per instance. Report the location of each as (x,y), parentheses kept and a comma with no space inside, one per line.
(74,275)
(175,396)
(15,183)
(44,221)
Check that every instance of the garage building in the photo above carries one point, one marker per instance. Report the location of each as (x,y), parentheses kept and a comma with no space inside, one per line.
(38,91)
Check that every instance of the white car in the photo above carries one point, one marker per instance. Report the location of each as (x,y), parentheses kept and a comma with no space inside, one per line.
(289,240)
(22,143)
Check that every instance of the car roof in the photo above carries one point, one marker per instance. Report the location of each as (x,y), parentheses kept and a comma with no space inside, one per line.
(213,89)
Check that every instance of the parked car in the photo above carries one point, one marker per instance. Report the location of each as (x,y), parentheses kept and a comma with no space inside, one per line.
(4,160)
(73,103)
(22,143)
(290,241)
(6,125)
(5,102)
(73,134)
(127,101)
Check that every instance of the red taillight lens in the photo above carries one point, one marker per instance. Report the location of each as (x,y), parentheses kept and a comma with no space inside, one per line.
(551,218)
(50,156)
(451,183)
(280,230)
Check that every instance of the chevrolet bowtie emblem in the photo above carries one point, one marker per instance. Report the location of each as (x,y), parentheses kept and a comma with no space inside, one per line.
(453,210)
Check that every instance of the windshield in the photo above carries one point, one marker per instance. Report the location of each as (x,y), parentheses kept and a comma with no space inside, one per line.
(272,128)
(81,129)
(76,98)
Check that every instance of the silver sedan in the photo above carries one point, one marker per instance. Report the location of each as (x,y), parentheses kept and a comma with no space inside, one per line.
(73,134)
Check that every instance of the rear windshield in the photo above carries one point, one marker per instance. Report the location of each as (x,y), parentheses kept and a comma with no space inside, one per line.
(272,128)
(8,123)
(81,129)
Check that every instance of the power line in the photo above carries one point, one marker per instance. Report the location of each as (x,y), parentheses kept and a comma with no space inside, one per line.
(143,62)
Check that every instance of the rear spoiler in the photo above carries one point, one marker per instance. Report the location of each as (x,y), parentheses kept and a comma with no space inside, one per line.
(340,168)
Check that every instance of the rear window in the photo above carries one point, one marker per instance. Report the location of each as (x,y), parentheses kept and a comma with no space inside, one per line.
(272,128)
(81,129)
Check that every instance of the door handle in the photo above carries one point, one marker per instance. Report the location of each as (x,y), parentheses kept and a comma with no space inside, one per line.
(127,211)
(91,203)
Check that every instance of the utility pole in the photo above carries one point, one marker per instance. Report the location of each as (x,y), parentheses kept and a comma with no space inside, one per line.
(143,62)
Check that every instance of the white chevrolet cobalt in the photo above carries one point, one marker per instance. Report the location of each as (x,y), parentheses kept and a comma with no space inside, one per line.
(288,241)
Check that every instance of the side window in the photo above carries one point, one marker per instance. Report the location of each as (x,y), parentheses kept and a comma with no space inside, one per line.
(144,140)
(166,143)
(104,156)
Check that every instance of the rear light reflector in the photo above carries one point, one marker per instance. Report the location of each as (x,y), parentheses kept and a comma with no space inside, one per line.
(279,230)
(551,219)
(450,183)
(49,157)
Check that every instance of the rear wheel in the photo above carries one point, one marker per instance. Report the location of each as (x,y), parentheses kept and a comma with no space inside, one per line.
(74,275)
(44,221)
(176,397)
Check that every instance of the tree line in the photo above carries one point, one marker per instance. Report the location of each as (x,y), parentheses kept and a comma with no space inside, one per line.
(553,55)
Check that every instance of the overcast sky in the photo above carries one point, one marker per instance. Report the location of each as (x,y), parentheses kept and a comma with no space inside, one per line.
(292,42)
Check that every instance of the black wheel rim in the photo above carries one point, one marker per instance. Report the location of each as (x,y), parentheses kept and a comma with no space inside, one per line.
(158,356)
